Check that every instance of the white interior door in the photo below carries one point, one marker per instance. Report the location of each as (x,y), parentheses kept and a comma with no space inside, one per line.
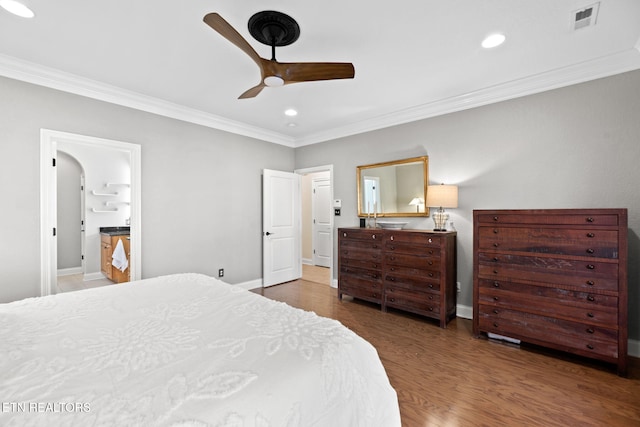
(281,233)
(322,214)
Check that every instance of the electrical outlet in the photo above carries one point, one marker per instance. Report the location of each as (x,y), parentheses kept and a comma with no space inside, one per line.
(221,272)
(458,287)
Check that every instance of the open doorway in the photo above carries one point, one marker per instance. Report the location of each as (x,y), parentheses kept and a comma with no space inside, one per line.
(53,142)
(317,223)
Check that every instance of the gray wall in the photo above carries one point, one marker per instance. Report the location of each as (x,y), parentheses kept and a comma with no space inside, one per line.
(201,188)
(575,147)
(69,216)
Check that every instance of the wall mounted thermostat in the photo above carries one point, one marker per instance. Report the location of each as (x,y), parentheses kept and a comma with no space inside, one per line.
(337,203)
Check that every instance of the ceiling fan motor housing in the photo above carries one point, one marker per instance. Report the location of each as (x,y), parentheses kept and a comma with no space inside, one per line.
(274,28)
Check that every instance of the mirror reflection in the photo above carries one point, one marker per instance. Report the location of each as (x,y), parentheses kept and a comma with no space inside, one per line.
(397,188)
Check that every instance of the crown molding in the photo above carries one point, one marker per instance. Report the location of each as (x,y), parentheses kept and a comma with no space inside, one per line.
(44,76)
(605,66)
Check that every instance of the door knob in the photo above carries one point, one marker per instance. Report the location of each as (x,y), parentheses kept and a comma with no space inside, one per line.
(268,233)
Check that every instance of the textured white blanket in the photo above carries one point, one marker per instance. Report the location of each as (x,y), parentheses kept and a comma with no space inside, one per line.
(184,350)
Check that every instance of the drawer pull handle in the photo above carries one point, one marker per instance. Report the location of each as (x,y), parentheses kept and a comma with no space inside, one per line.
(430,297)
(430,262)
(430,286)
(495,271)
(495,325)
(392,279)
(373,236)
(590,282)
(590,219)
(392,299)
(591,235)
(590,315)
(496,298)
(590,331)
(430,240)
(430,274)
(495,259)
(591,298)
(495,311)
(391,237)
(392,269)
(430,308)
(431,252)
(589,346)
(344,234)
(590,251)
(495,218)
(495,245)
(591,267)
(496,284)
(495,231)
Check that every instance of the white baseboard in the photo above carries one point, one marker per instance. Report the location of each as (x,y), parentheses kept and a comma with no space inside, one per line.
(93,276)
(466,312)
(307,261)
(69,271)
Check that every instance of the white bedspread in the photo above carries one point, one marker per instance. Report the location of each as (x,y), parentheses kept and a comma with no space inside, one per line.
(184,350)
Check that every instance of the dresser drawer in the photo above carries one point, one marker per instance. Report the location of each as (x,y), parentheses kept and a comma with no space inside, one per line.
(411,284)
(361,273)
(359,253)
(580,242)
(560,271)
(592,309)
(586,340)
(555,218)
(414,239)
(360,234)
(411,275)
(417,302)
(357,290)
(366,262)
(395,260)
(361,245)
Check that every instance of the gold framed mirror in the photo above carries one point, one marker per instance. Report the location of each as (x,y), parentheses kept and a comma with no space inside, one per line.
(393,189)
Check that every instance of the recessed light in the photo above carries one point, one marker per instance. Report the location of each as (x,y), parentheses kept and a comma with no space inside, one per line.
(493,40)
(291,112)
(292,125)
(17,8)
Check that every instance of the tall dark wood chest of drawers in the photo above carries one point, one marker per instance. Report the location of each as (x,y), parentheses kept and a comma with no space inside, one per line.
(411,270)
(555,277)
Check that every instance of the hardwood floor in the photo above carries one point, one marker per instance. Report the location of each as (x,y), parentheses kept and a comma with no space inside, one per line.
(445,377)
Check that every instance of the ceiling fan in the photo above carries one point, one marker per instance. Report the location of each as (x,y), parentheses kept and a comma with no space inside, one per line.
(277,29)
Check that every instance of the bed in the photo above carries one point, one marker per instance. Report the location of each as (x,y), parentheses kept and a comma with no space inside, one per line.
(184,350)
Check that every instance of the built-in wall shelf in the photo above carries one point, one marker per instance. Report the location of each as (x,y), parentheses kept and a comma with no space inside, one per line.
(95,193)
(104,211)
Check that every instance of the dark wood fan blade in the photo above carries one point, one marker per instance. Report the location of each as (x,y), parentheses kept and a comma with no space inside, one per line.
(225,29)
(312,71)
(253,92)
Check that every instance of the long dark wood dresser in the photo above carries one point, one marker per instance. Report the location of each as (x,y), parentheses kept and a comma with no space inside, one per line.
(410,270)
(555,278)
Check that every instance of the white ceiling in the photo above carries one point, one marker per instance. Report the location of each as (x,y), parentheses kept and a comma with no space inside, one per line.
(413,58)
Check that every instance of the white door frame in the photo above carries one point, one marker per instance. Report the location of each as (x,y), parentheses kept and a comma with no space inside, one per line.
(324,168)
(48,202)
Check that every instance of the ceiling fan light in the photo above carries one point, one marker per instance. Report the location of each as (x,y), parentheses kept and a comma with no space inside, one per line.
(493,40)
(273,81)
(17,8)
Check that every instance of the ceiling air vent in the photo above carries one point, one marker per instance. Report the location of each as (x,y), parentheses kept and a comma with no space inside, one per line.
(585,17)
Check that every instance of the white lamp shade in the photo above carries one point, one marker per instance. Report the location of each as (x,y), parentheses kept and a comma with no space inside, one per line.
(416,201)
(445,196)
